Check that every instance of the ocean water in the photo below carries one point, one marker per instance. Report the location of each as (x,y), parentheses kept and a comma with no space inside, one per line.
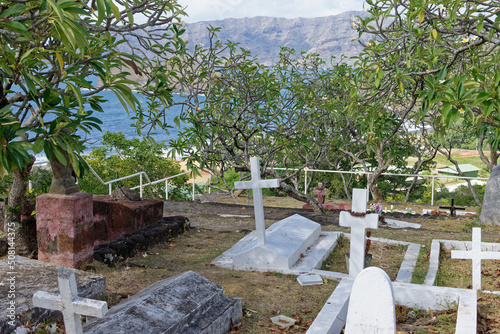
(116,119)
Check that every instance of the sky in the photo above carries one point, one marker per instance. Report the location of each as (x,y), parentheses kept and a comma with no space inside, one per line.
(205,10)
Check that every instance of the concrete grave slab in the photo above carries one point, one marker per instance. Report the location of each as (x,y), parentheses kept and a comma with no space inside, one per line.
(30,276)
(286,242)
(400,224)
(371,304)
(187,303)
(305,280)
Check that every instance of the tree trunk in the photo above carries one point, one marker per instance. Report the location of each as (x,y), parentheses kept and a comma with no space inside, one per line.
(372,184)
(24,240)
(294,193)
(493,160)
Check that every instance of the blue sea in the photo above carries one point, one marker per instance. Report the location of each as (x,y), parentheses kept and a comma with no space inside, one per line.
(116,119)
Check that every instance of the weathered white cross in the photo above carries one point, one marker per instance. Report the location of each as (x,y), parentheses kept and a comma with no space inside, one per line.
(358,225)
(476,256)
(69,303)
(256,184)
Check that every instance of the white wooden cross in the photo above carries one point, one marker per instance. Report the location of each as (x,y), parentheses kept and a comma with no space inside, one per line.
(476,256)
(358,227)
(69,303)
(256,184)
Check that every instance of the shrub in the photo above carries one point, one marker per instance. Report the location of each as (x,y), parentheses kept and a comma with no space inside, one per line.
(132,156)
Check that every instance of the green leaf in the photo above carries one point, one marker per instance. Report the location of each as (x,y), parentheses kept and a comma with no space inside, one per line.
(59,155)
(421,15)
(13,10)
(115,10)
(101,11)
(38,146)
(480,26)
(16,26)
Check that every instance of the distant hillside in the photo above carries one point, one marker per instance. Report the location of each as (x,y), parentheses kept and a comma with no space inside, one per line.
(331,35)
(263,36)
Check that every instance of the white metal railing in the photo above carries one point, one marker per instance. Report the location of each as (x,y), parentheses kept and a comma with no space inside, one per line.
(166,183)
(140,186)
(306,170)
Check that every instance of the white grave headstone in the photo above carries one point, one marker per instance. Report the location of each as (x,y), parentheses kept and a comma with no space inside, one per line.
(69,303)
(476,255)
(256,184)
(371,305)
(358,225)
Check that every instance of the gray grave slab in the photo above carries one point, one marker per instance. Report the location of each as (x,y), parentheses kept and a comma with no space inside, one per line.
(400,224)
(305,280)
(286,240)
(187,303)
(30,276)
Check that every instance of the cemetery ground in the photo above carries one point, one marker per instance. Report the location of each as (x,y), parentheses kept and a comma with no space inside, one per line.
(215,227)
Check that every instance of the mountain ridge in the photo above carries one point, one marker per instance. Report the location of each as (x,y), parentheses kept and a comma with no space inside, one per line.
(263,36)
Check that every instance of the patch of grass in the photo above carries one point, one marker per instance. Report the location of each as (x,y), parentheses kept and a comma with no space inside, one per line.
(488,313)
(457,273)
(386,256)
(413,320)
(422,266)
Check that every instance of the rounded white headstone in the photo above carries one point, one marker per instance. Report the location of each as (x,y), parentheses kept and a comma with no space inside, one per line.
(371,305)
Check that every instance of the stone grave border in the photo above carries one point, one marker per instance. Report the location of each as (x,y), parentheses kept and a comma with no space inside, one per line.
(405,272)
(313,258)
(331,318)
(430,278)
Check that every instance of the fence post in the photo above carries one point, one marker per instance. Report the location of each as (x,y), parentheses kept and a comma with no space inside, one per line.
(432,192)
(166,189)
(367,188)
(140,184)
(193,186)
(305,181)
(110,189)
(209,183)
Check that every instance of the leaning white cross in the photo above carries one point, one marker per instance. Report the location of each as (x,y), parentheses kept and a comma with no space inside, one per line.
(358,223)
(69,303)
(256,184)
(476,256)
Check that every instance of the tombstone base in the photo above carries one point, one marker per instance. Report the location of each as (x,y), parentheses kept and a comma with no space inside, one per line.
(64,224)
(286,242)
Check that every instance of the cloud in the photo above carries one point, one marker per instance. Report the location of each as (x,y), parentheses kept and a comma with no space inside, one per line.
(203,10)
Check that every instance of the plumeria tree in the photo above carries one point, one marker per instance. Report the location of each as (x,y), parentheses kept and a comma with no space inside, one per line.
(238,108)
(436,62)
(55,58)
